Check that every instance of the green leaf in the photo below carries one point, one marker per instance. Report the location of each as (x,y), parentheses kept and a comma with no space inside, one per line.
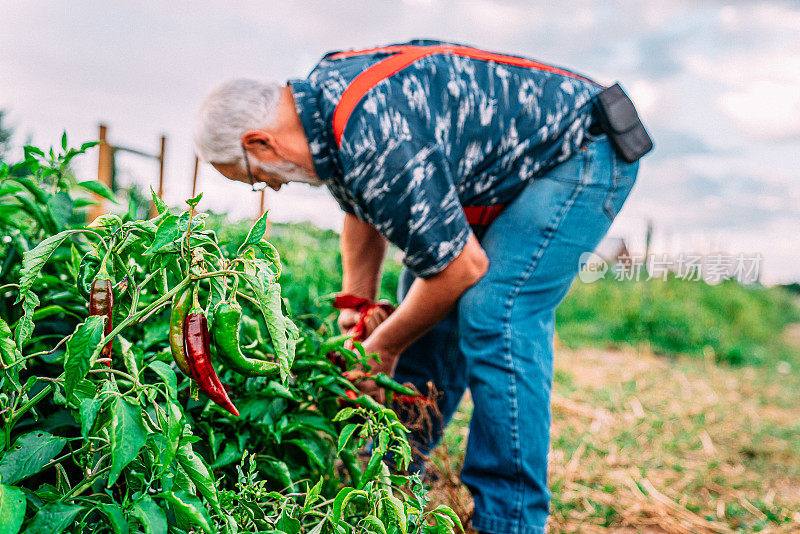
(344,414)
(60,207)
(151,516)
(269,301)
(172,427)
(446,511)
(30,453)
(287,523)
(53,518)
(53,309)
(189,510)
(312,449)
(130,358)
(338,503)
(193,202)
(64,140)
(312,495)
(89,408)
(108,221)
(80,347)
(396,511)
(8,349)
(12,509)
(168,376)
(88,145)
(256,233)
(199,473)
(374,524)
(30,149)
(98,188)
(345,435)
(127,438)
(342,499)
(33,260)
(318,527)
(25,324)
(116,518)
(271,253)
(168,231)
(160,205)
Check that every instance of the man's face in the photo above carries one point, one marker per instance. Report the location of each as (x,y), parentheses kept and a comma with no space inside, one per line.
(272,170)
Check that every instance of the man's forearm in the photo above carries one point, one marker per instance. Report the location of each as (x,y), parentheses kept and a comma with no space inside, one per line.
(429,300)
(363,251)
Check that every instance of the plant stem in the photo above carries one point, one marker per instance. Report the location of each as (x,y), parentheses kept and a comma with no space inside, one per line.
(123,374)
(30,404)
(80,488)
(42,353)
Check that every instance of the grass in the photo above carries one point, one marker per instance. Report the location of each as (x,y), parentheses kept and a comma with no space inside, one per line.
(645,443)
(735,323)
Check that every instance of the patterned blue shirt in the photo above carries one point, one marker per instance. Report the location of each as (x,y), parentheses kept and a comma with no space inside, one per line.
(444,132)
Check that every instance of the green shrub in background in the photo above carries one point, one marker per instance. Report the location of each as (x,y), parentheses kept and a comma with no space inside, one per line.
(740,324)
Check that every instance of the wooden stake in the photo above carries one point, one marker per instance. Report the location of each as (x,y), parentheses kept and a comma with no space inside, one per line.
(104,174)
(194,178)
(153,211)
(261,209)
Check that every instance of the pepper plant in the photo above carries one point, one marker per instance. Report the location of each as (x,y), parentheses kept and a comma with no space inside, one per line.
(121,411)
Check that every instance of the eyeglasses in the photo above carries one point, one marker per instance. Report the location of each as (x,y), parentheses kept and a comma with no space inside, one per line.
(257,186)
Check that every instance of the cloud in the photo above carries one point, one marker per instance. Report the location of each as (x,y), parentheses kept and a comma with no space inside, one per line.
(716,85)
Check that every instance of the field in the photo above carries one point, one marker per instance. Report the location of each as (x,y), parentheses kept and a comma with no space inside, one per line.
(674,401)
(642,443)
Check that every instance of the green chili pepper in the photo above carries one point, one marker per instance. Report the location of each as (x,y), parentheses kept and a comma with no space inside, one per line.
(387,382)
(365,401)
(352,466)
(376,460)
(180,307)
(225,333)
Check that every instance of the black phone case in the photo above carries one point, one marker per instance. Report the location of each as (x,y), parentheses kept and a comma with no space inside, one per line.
(618,118)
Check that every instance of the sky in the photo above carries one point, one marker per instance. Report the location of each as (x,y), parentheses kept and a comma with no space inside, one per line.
(716,83)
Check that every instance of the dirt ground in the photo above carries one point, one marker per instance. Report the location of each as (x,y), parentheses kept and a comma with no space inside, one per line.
(642,443)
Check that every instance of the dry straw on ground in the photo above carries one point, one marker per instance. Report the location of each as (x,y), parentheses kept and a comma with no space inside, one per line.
(646,444)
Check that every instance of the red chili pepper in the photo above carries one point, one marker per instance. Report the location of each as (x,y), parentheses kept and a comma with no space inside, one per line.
(101,302)
(197,348)
(364,306)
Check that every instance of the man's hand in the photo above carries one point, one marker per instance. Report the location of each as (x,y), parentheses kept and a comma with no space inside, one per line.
(387,365)
(349,317)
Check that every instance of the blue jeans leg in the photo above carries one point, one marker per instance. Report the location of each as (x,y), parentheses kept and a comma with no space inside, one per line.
(506,324)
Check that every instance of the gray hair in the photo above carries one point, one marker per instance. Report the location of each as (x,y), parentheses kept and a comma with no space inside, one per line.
(229,111)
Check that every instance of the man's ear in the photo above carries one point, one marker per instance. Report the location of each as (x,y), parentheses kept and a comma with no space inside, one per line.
(258,141)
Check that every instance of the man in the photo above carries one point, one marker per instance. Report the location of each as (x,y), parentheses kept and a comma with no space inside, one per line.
(493,175)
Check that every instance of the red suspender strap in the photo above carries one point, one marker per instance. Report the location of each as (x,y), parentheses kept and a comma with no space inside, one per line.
(482,215)
(405,55)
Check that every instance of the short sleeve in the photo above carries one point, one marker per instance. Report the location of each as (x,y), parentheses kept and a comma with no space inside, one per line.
(406,191)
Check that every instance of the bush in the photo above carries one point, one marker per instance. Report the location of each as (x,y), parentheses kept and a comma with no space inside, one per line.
(108,441)
(740,324)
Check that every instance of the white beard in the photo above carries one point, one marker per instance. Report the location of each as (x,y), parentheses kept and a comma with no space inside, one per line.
(290,172)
